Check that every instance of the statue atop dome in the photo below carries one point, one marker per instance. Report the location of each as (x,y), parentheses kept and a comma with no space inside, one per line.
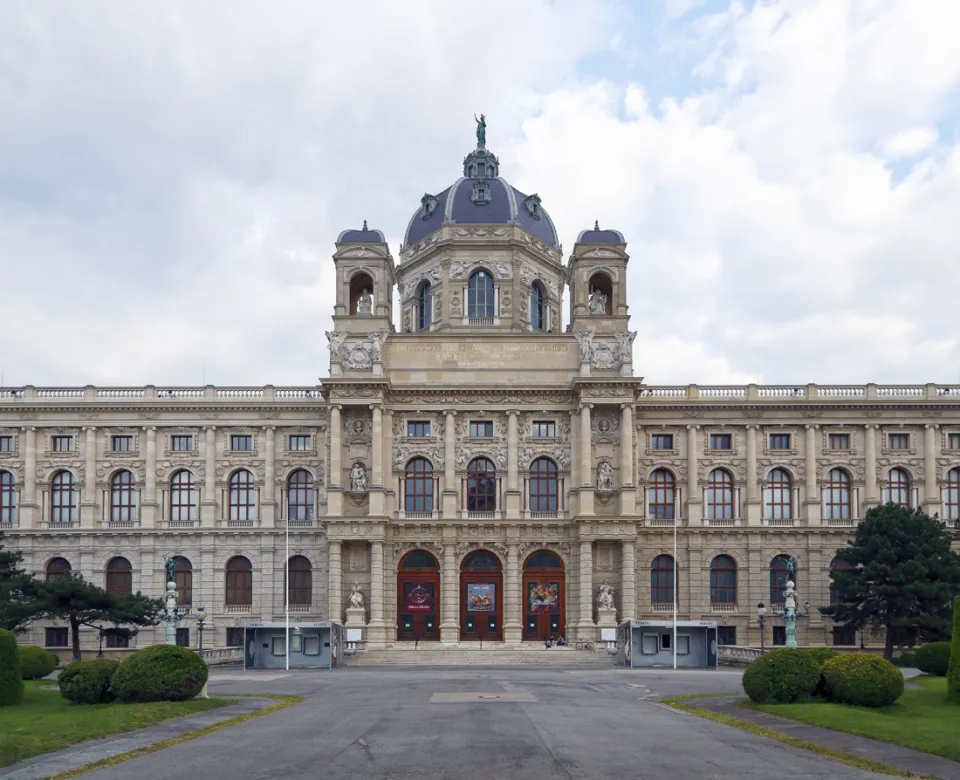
(481,130)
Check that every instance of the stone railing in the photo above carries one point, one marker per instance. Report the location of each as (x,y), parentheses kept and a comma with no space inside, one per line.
(160,394)
(734,654)
(801,393)
(222,655)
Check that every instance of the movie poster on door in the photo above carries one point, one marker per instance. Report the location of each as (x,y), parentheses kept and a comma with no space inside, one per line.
(419,597)
(481,597)
(543,595)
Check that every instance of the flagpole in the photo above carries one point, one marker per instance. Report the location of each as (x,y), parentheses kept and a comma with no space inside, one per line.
(286,595)
(674,592)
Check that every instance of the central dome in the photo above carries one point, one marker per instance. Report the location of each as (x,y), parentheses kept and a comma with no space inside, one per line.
(480,197)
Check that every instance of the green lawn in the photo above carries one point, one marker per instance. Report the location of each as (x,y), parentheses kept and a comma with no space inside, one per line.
(46,721)
(921,719)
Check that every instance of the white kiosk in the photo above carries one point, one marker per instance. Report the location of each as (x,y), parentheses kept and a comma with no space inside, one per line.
(649,644)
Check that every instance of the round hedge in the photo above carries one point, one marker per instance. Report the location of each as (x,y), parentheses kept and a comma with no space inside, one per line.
(934,658)
(821,655)
(160,673)
(781,676)
(36,662)
(11,678)
(862,679)
(906,659)
(88,682)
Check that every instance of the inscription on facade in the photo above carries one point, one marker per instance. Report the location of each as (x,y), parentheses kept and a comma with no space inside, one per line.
(487,355)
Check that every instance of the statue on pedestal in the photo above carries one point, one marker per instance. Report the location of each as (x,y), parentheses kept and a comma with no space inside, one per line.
(481,130)
(358,478)
(356,596)
(604,476)
(365,303)
(597,303)
(605,597)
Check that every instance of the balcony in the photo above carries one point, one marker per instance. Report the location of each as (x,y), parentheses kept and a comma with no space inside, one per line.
(725,608)
(238,609)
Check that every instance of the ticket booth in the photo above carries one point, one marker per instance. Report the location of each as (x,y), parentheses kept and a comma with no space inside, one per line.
(650,644)
(315,645)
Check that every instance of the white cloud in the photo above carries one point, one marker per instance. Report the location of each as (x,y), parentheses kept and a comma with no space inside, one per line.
(909,143)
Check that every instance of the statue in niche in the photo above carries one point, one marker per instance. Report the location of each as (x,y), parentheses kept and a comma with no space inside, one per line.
(481,130)
(365,303)
(605,598)
(358,478)
(356,596)
(376,342)
(597,302)
(604,476)
(585,339)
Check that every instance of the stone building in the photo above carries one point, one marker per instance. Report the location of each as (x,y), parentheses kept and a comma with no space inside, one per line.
(478,468)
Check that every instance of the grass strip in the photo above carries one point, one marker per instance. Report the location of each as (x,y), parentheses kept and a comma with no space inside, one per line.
(282,702)
(682,703)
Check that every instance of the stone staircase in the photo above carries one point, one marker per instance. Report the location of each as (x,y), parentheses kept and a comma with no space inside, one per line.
(492,654)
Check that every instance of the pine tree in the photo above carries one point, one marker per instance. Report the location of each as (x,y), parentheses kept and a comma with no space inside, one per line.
(953,675)
(16,591)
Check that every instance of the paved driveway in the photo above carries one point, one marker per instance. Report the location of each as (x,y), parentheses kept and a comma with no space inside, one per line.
(472,723)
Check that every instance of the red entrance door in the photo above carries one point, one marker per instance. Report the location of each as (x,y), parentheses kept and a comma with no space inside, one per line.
(481,597)
(418,597)
(543,597)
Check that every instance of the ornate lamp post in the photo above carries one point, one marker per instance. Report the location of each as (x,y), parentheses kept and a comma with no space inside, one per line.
(762,622)
(790,613)
(201,618)
(172,614)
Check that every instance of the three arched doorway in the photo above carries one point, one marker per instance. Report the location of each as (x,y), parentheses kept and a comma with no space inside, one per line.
(481,597)
(418,597)
(543,596)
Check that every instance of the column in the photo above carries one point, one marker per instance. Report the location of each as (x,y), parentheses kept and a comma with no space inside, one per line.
(931,496)
(628,580)
(513,616)
(628,480)
(335,489)
(376,626)
(389,484)
(450,492)
(513,466)
(29,509)
(376,455)
(586,461)
(753,509)
(148,503)
(574,481)
(872,497)
(449,596)
(208,506)
(88,504)
(586,628)
(335,587)
(268,499)
(812,501)
(694,500)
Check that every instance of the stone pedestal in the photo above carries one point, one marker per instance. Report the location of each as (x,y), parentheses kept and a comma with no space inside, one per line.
(355,617)
(606,618)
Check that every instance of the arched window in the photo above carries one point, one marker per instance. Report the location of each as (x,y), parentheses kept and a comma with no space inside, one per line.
(239,582)
(662,494)
(778,578)
(58,569)
(301,581)
(119,576)
(481,486)
(600,293)
(183,579)
(63,497)
(481,295)
(424,306)
(243,496)
(779,496)
(538,307)
(951,496)
(300,495)
(837,564)
(661,580)
(836,496)
(544,486)
(898,487)
(418,486)
(8,498)
(361,294)
(719,495)
(183,497)
(123,498)
(723,580)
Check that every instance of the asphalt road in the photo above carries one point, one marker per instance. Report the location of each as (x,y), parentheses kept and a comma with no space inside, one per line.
(482,722)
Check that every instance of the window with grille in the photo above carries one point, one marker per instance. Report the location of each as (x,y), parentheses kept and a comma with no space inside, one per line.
(481,429)
(721,441)
(181,443)
(899,441)
(418,429)
(63,443)
(838,441)
(241,443)
(779,441)
(418,486)
(661,441)
(300,442)
(121,443)
(544,429)
(544,486)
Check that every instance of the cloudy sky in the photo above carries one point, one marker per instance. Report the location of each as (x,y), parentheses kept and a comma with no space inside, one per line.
(173,174)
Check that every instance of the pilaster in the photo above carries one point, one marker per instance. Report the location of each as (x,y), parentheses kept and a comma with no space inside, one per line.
(88,504)
(29,508)
(812,500)
(450,594)
(148,504)
(376,456)
(208,504)
(586,628)
(376,629)
(628,490)
(335,491)
(513,614)
(931,496)
(268,502)
(512,494)
(586,462)
(753,504)
(872,497)
(694,502)
(450,491)
(628,580)
(335,589)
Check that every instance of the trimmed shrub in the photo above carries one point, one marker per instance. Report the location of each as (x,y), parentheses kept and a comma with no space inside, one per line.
(953,673)
(36,662)
(11,678)
(821,655)
(160,673)
(907,659)
(88,682)
(934,658)
(862,679)
(781,677)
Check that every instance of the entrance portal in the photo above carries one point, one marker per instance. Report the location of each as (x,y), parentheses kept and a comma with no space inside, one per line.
(543,597)
(418,597)
(481,597)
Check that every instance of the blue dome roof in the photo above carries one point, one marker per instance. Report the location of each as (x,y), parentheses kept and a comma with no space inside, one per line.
(598,236)
(363,236)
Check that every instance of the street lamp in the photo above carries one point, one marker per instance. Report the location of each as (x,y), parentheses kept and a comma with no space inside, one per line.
(762,621)
(201,617)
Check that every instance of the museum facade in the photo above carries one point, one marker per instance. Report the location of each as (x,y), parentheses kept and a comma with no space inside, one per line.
(478,468)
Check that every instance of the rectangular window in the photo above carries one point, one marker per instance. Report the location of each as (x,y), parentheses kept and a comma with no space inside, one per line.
(899,441)
(661,441)
(649,644)
(779,441)
(726,635)
(6,443)
(181,443)
(721,441)
(311,644)
(779,636)
(481,429)
(234,636)
(121,443)
(116,640)
(666,641)
(183,637)
(56,637)
(953,441)
(683,644)
(418,429)
(844,637)
(301,442)
(839,441)
(241,443)
(278,645)
(63,443)
(544,429)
